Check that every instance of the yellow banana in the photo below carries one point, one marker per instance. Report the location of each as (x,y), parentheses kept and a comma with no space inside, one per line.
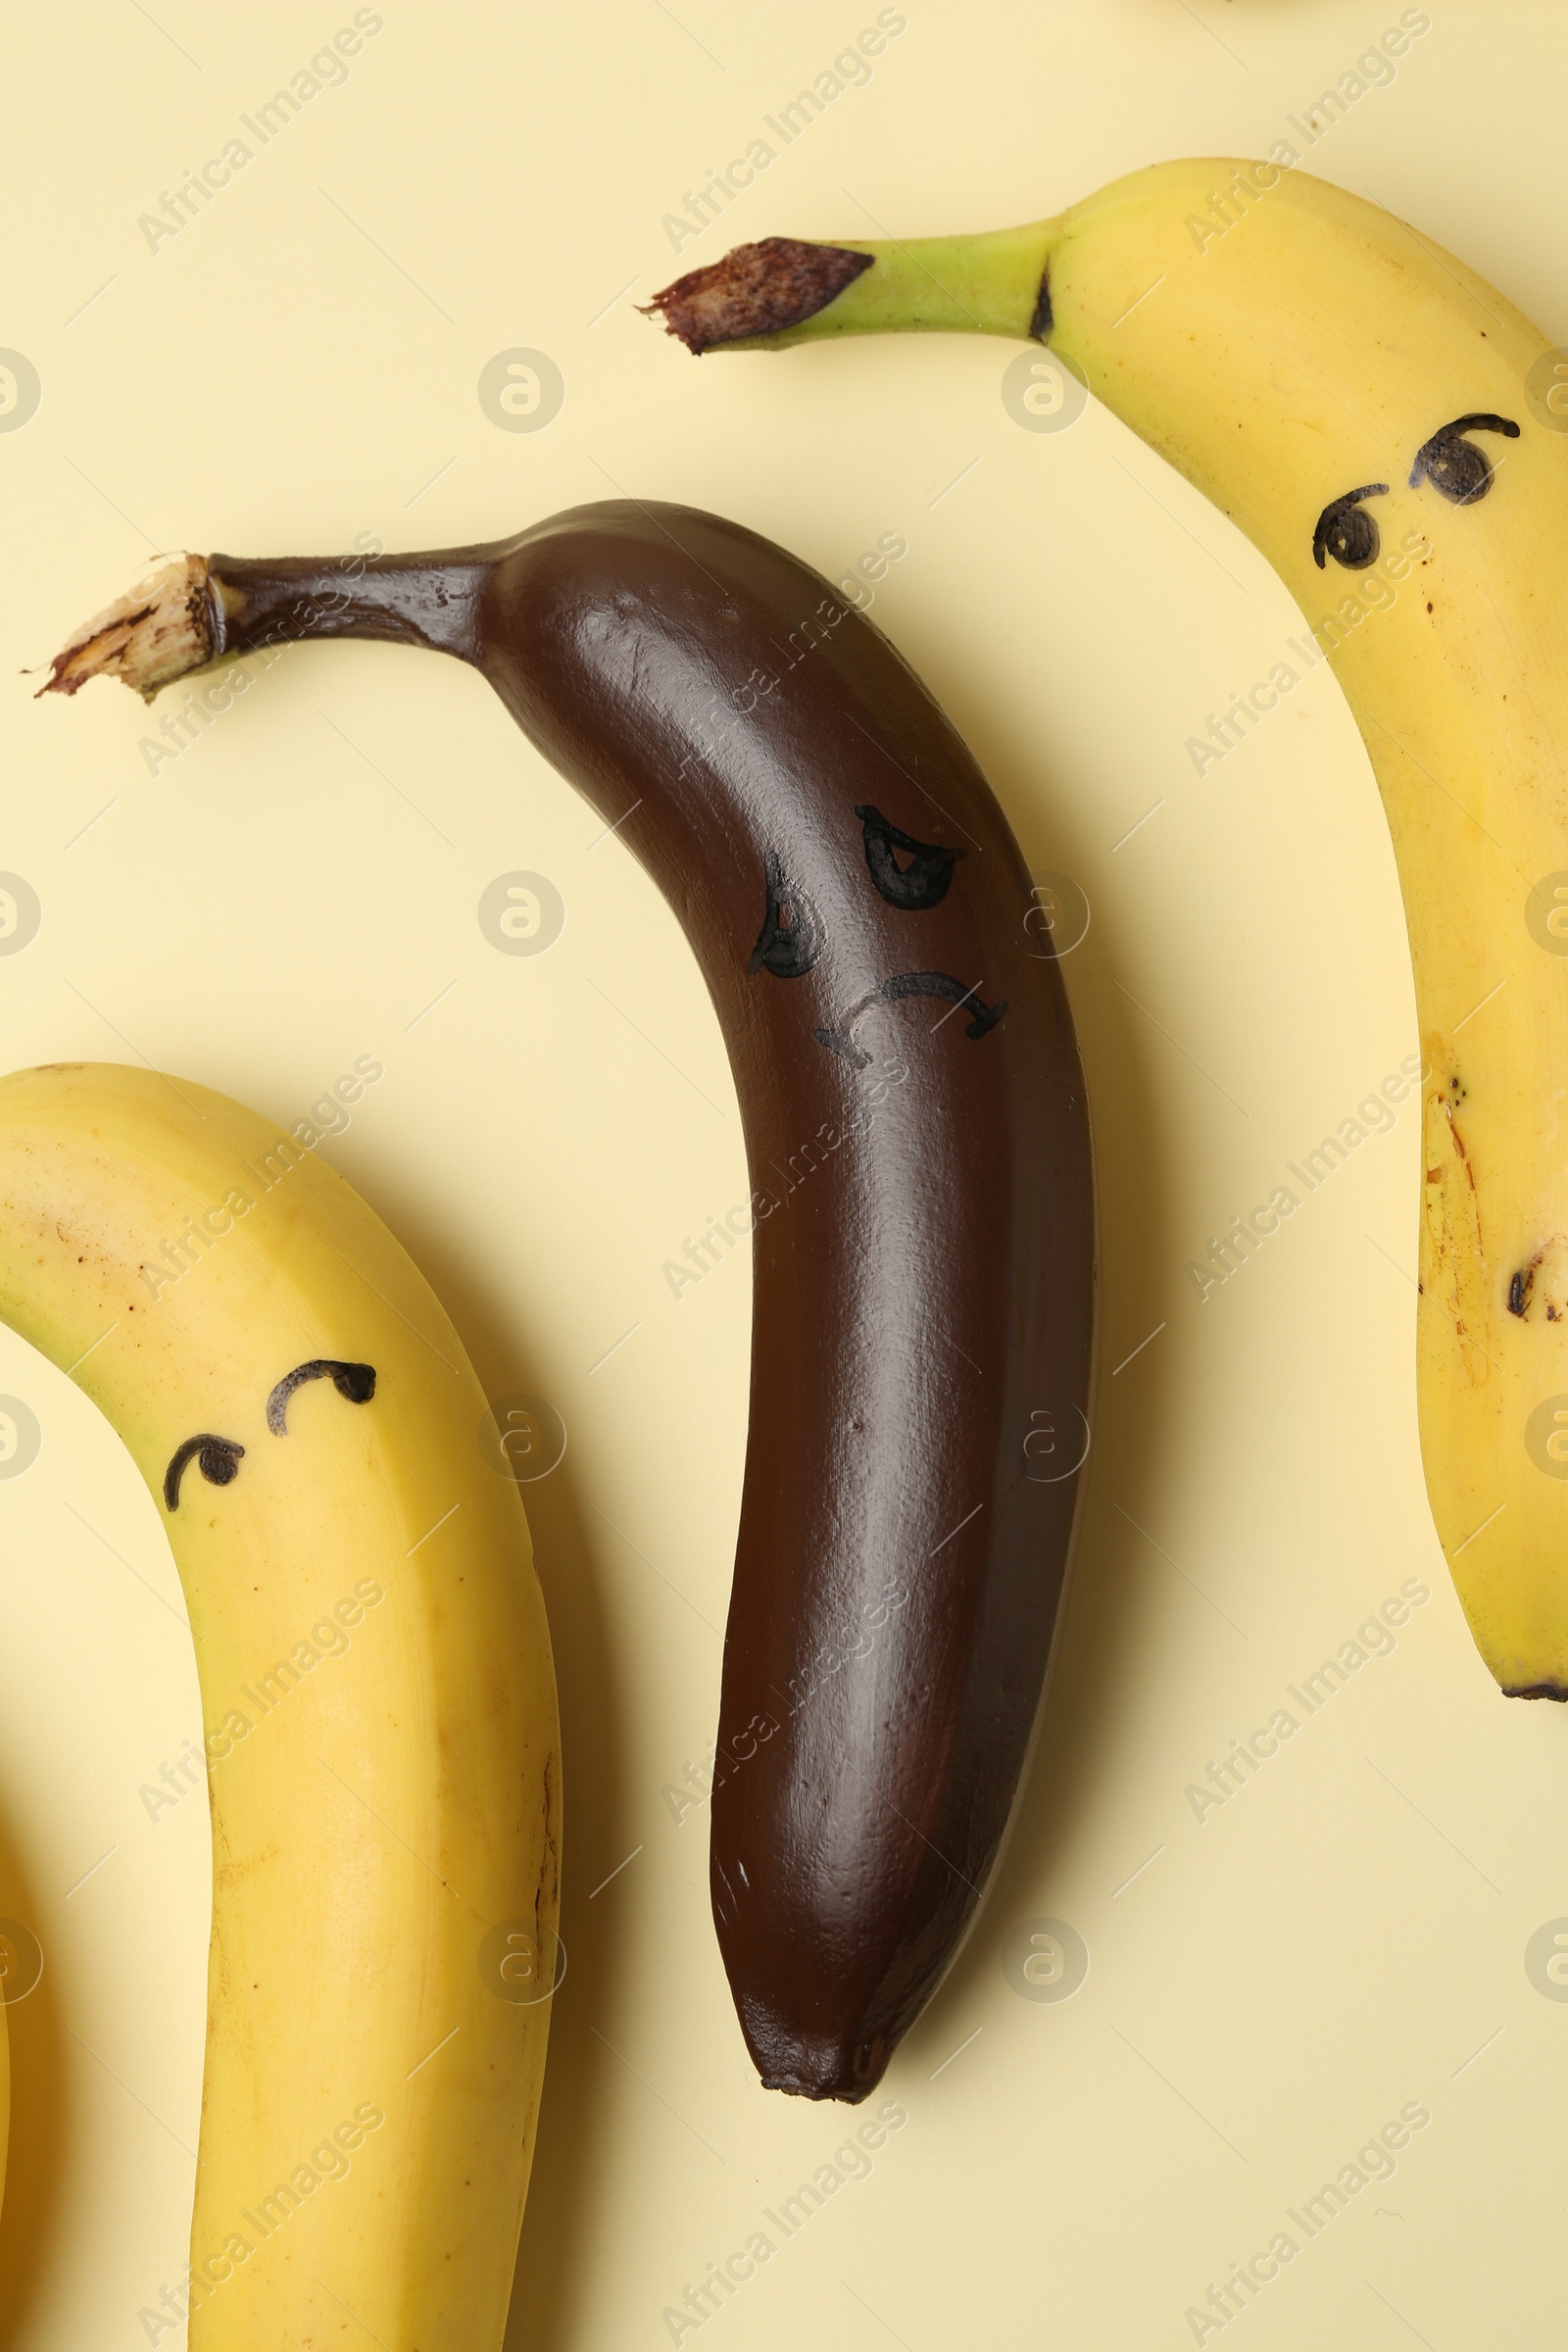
(1394,436)
(378,1690)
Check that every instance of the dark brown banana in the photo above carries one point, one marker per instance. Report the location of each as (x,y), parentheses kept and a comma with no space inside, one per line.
(922,1195)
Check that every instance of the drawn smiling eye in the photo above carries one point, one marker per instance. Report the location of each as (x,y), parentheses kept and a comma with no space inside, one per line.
(1345,531)
(355,1383)
(217,1458)
(1458,470)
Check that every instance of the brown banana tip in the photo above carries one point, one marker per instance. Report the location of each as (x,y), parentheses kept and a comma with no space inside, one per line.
(841,2084)
(755,290)
(820,2091)
(148,637)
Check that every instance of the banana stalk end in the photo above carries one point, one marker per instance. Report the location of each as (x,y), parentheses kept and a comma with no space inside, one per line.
(157,633)
(767,296)
(756,292)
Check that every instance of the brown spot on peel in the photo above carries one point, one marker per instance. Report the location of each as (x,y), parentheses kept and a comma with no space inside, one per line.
(1455,1258)
(1538,1288)
(755,290)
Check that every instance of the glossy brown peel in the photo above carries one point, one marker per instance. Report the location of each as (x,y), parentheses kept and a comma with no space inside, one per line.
(755,290)
(921,1214)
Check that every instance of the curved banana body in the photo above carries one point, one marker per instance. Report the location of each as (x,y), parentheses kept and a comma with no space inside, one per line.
(1365,408)
(378,1693)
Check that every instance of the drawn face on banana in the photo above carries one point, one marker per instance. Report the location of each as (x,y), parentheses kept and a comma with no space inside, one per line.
(218,1459)
(380,1753)
(1296,352)
(1458,470)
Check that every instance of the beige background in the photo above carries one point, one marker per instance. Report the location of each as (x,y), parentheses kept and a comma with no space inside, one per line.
(300,366)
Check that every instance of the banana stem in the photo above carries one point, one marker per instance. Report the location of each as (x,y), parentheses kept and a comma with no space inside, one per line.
(428,600)
(767,297)
(202,609)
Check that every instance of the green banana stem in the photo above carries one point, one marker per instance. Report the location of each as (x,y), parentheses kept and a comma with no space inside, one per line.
(767,297)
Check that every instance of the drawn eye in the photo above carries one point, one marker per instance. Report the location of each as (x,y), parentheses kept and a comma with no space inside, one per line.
(355,1383)
(1347,532)
(1454,467)
(791,938)
(217,1458)
(920,884)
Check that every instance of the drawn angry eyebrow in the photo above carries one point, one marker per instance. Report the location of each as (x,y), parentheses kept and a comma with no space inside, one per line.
(355,1382)
(1345,531)
(217,1458)
(1454,467)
